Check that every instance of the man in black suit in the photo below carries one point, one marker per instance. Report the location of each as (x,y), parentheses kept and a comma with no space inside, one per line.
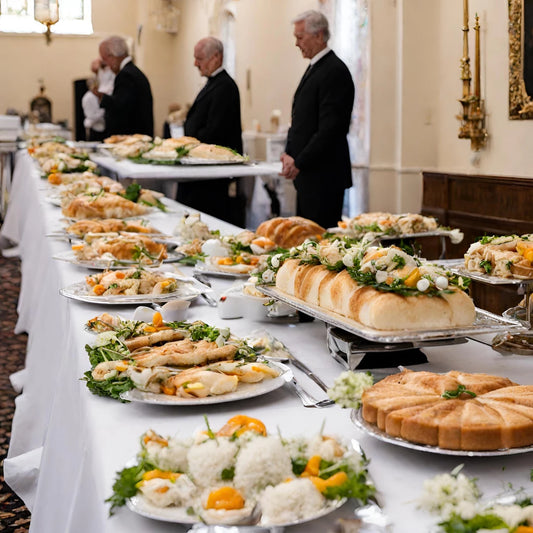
(214,118)
(129,109)
(317,156)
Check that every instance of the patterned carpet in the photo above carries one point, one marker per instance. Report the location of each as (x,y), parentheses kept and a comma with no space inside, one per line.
(14,517)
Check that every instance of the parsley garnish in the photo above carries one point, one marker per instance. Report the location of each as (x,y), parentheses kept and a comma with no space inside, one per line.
(132,192)
(486,265)
(451,394)
(112,387)
(137,274)
(298,465)
(191,260)
(210,432)
(125,485)
(228,473)
(399,260)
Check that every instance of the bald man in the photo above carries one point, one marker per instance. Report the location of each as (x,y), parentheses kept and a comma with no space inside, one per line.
(214,118)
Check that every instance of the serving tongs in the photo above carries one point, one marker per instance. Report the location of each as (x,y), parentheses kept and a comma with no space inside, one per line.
(205,281)
(275,350)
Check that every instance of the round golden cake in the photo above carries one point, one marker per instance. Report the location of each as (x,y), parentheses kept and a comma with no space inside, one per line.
(498,414)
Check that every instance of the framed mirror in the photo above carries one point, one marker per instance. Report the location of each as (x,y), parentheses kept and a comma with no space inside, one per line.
(520,59)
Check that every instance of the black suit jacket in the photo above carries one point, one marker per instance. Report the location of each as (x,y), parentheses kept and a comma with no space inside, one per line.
(215,116)
(130,108)
(321,113)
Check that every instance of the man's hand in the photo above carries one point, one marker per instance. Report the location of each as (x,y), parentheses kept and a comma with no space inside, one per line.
(288,169)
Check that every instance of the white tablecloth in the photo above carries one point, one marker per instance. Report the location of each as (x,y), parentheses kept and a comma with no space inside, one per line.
(67,444)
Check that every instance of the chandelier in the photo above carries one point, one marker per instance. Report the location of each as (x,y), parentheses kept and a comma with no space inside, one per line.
(46,12)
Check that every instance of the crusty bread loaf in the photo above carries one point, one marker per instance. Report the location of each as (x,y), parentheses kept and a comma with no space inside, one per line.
(337,292)
(213,151)
(290,231)
(105,205)
(410,405)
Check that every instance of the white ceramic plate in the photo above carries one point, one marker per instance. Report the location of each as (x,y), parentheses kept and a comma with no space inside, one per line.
(99,264)
(211,269)
(244,391)
(179,515)
(374,431)
(79,291)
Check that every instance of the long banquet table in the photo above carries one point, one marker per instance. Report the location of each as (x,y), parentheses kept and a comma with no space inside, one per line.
(67,444)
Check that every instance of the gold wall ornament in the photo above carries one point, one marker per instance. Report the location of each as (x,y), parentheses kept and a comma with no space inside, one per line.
(46,12)
(520,103)
(473,107)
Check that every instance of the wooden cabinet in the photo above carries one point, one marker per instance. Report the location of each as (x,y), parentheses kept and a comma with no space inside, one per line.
(479,205)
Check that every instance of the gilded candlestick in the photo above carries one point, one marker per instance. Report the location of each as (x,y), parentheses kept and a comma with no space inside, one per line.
(477,69)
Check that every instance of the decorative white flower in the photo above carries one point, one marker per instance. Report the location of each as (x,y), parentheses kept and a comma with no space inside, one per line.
(456,236)
(441,282)
(348,260)
(268,276)
(105,338)
(422,284)
(348,388)
(448,493)
(275,261)
(381,276)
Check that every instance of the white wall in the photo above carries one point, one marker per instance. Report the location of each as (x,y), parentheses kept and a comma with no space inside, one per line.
(509,148)
(416,46)
(26,58)
(416,51)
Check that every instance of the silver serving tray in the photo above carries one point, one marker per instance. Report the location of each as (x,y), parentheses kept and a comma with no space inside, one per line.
(201,161)
(459,269)
(115,264)
(396,236)
(80,292)
(374,431)
(485,323)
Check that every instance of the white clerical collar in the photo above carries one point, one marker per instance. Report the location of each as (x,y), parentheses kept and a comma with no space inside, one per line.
(125,61)
(320,55)
(215,72)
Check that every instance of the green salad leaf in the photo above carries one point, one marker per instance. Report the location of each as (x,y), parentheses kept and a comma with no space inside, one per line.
(125,485)
(456,524)
(111,387)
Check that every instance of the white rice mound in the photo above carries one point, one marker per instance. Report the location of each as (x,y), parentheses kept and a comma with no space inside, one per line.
(263,461)
(288,502)
(179,492)
(208,459)
(172,457)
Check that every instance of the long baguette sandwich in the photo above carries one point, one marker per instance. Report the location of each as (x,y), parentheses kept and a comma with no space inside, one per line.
(387,290)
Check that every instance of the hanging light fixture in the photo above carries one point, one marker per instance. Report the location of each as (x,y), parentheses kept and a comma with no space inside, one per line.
(46,12)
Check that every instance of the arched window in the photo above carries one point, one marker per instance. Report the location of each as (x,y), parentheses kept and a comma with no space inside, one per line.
(17,16)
